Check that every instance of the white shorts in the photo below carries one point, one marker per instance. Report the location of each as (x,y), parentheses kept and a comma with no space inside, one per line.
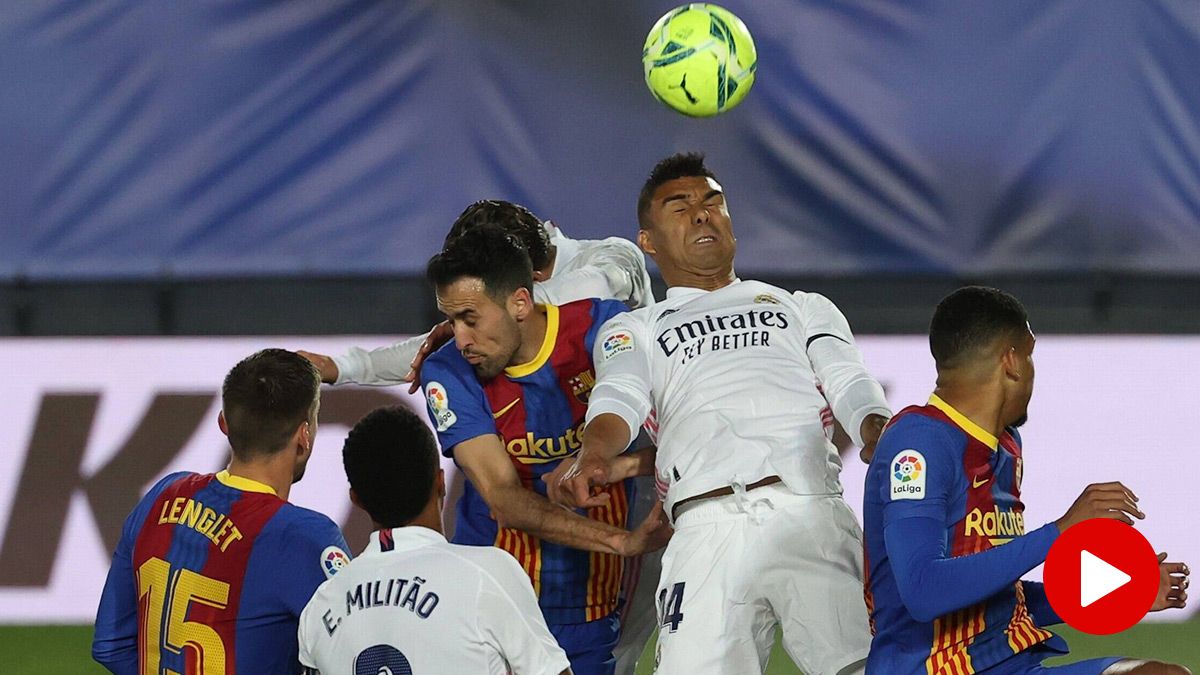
(742,564)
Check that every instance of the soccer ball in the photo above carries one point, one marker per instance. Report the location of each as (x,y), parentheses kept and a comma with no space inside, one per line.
(699,59)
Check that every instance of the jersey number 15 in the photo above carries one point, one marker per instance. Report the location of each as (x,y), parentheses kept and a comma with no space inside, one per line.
(172,592)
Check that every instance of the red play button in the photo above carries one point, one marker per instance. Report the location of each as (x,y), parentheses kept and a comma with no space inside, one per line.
(1101,576)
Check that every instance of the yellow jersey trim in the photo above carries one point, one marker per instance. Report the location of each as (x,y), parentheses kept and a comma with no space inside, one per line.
(543,354)
(977,432)
(245,484)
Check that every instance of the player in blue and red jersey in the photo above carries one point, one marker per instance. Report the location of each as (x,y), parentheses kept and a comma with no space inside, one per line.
(508,399)
(212,571)
(944,523)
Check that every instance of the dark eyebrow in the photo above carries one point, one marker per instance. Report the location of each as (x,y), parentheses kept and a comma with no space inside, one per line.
(458,315)
(711,194)
(673,198)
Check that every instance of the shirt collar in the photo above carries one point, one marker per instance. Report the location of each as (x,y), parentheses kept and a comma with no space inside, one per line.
(244,484)
(565,248)
(544,352)
(404,538)
(680,291)
(974,430)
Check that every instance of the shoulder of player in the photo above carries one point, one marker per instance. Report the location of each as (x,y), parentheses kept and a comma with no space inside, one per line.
(913,430)
(589,248)
(447,356)
(488,561)
(298,523)
(811,302)
(170,480)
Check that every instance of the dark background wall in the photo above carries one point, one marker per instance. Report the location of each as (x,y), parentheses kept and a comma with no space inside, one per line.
(1095,303)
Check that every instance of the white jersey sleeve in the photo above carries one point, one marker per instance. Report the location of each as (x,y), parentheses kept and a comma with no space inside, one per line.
(308,664)
(510,620)
(380,367)
(851,391)
(608,268)
(623,375)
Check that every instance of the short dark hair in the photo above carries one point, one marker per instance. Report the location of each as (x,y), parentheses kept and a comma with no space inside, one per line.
(515,219)
(265,397)
(390,459)
(486,252)
(679,165)
(969,320)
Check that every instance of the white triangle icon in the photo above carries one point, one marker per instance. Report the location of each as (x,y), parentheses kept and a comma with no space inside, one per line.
(1097,578)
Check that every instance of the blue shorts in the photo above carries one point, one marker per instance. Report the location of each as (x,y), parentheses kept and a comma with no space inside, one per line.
(589,646)
(1030,663)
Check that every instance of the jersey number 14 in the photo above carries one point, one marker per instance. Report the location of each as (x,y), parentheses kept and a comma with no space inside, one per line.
(671,607)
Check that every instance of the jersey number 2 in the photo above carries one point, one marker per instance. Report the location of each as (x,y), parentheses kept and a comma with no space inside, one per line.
(381,660)
(672,607)
(172,591)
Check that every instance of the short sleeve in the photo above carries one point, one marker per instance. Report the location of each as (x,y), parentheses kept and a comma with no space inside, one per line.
(454,399)
(622,372)
(923,468)
(602,311)
(820,318)
(510,620)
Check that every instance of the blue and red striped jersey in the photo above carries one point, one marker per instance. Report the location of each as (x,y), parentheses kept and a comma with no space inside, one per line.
(933,462)
(210,575)
(537,409)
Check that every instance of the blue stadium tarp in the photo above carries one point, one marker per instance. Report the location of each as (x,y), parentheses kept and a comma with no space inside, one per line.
(141,138)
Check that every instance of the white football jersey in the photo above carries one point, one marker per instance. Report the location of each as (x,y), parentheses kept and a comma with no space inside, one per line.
(411,602)
(612,268)
(736,385)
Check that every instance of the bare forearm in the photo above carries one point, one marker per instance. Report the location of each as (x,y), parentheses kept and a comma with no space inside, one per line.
(522,509)
(607,436)
(640,462)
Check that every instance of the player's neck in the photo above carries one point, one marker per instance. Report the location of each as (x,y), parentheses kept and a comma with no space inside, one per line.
(977,403)
(705,282)
(273,473)
(430,518)
(533,334)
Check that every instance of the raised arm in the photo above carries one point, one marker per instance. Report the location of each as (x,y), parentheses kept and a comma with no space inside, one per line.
(611,269)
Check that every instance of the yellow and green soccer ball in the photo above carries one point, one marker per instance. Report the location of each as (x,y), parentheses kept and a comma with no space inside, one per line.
(699,59)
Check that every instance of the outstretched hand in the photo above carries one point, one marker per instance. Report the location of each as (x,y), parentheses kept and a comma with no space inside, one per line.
(651,534)
(1172,584)
(571,482)
(440,335)
(324,364)
(1102,500)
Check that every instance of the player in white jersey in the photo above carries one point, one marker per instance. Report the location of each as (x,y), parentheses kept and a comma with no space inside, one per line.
(411,602)
(739,381)
(565,270)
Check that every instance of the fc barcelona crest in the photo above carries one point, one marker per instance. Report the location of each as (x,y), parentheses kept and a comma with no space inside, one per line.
(581,385)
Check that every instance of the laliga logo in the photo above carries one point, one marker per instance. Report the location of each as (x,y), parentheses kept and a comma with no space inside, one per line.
(618,340)
(439,403)
(907,469)
(616,343)
(334,561)
(908,475)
